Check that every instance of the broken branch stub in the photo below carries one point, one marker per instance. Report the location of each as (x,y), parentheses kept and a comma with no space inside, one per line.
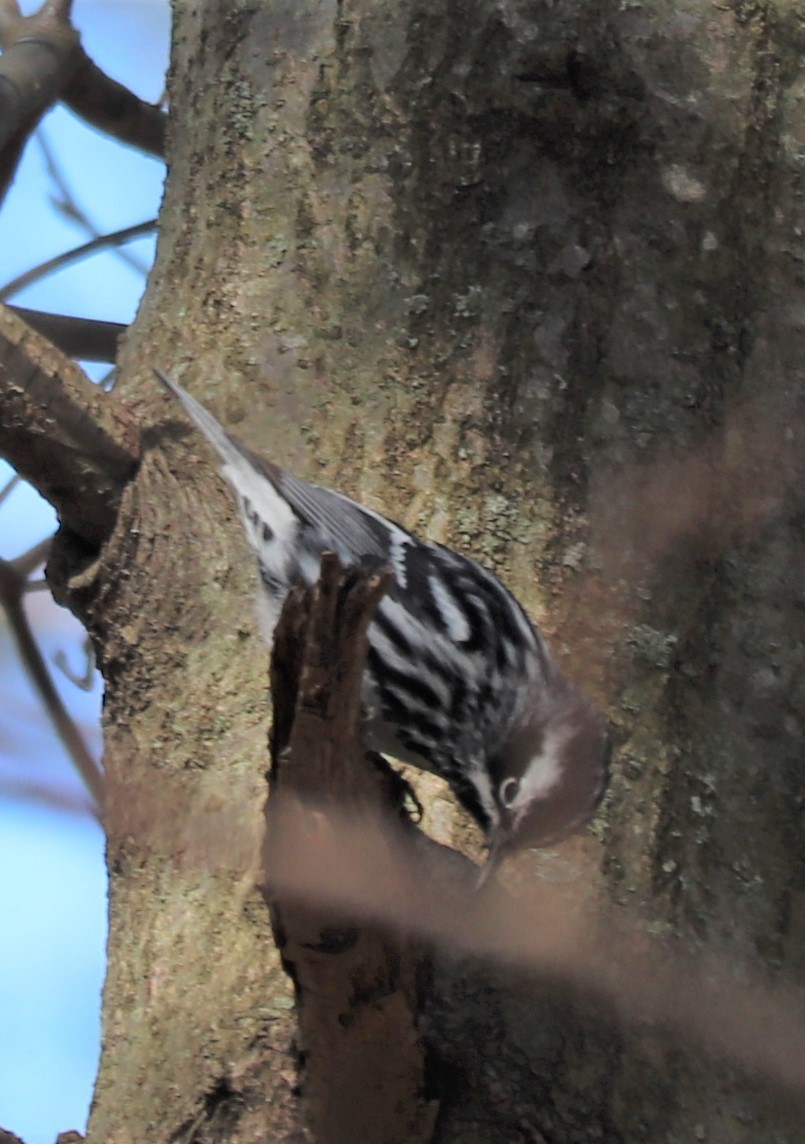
(320,649)
(357,983)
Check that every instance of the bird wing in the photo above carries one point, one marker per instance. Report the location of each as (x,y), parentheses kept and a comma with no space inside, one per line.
(334,521)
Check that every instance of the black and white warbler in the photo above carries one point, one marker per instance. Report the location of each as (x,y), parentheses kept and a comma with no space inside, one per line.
(458,681)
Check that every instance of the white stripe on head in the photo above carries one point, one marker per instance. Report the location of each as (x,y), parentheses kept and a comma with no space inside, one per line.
(544,769)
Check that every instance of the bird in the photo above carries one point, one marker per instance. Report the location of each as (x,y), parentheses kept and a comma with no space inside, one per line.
(458,680)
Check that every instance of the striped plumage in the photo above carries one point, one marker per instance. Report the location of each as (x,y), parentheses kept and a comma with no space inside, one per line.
(458,681)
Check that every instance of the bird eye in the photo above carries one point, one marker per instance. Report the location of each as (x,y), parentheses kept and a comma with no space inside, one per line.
(509,790)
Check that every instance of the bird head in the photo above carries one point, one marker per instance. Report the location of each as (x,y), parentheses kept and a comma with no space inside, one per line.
(551,775)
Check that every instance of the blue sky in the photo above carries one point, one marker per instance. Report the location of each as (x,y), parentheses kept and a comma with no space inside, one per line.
(52,878)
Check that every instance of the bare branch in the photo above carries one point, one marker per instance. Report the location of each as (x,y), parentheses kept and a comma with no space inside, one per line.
(40,585)
(10,15)
(84,338)
(66,203)
(9,1137)
(76,445)
(127,234)
(10,156)
(9,487)
(41,795)
(85,680)
(42,55)
(29,561)
(57,9)
(43,61)
(70,1137)
(12,589)
(113,109)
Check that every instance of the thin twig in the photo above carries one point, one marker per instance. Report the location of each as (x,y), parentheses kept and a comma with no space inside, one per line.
(41,795)
(127,234)
(12,589)
(85,680)
(29,561)
(8,489)
(65,202)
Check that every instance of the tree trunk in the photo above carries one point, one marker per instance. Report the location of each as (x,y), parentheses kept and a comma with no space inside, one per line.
(521,275)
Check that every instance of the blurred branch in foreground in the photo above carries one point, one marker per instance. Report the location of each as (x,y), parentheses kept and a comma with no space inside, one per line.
(350,883)
(344,864)
(38,794)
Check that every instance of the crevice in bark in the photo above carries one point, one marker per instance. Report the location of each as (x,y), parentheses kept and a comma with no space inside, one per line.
(218,1119)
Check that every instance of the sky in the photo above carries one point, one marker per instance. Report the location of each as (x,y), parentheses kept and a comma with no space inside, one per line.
(52,875)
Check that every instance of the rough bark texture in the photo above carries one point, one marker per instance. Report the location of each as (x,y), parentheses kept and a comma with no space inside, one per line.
(506,270)
(59,431)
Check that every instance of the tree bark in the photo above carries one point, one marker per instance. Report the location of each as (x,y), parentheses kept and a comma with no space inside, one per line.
(524,276)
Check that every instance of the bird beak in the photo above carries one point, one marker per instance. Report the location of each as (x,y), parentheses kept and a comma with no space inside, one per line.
(498,849)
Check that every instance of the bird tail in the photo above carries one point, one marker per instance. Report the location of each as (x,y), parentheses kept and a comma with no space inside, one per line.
(212,429)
